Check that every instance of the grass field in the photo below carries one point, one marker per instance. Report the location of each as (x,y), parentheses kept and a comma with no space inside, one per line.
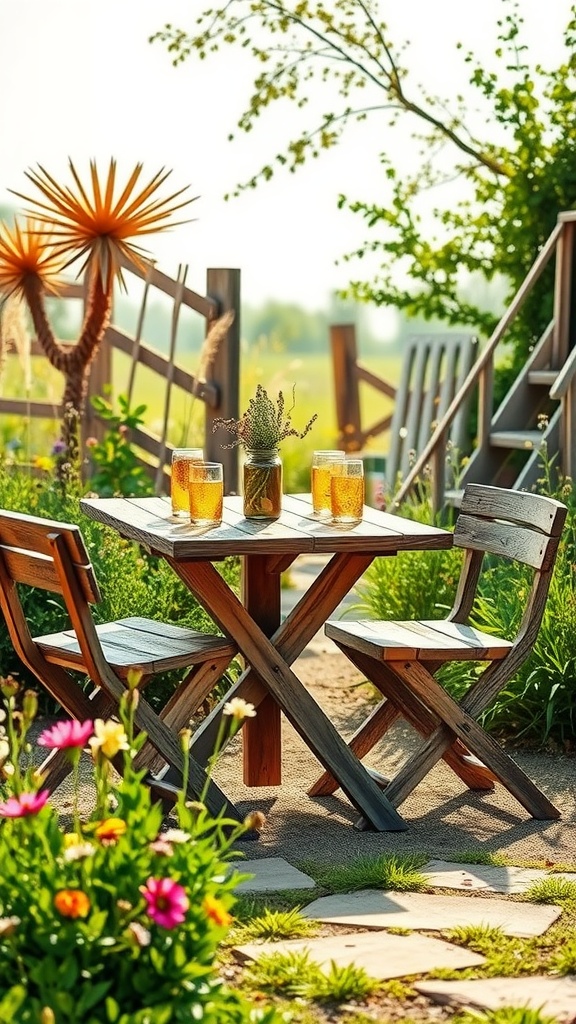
(311,374)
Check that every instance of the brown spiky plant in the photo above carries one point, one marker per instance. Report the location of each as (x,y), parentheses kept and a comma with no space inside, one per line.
(72,222)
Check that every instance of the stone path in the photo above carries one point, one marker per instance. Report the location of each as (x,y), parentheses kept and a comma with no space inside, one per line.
(384,955)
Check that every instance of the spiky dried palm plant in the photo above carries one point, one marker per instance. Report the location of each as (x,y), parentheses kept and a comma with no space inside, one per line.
(94,224)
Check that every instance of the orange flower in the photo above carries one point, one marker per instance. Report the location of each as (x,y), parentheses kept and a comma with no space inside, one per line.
(27,252)
(72,903)
(97,226)
(216,911)
(110,830)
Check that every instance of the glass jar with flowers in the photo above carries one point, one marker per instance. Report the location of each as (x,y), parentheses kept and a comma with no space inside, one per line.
(260,430)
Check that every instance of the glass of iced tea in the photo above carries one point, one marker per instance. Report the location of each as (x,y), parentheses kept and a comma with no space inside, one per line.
(182,459)
(206,493)
(347,492)
(322,466)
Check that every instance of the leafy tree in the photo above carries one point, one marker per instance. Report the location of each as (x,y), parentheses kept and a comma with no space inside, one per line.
(516,173)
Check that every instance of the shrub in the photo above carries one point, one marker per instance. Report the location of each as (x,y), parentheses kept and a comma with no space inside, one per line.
(113,921)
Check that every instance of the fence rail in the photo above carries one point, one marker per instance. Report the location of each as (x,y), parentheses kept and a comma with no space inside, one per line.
(219,394)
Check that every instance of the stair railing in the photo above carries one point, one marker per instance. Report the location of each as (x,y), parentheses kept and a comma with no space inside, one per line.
(482,373)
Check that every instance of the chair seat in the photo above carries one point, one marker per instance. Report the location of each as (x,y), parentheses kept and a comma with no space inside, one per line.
(423,640)
(131,642)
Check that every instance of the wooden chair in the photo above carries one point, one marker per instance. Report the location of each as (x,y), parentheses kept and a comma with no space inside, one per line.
(402,658)
(52,555)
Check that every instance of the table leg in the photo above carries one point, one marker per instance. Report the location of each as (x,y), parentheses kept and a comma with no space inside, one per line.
(317,604)
(261,738)
(299,706)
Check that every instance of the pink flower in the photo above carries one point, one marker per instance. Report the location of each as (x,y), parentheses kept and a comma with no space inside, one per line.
(23,805)
(68,733)
(167,901)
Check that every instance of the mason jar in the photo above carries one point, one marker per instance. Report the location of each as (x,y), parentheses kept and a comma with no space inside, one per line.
(262,478)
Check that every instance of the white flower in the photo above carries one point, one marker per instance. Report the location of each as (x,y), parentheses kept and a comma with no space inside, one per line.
(78,851)
(140,935)
(239,709)
(175,835)
(4,750)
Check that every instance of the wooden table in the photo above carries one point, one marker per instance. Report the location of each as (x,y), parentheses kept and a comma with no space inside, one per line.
(269,646)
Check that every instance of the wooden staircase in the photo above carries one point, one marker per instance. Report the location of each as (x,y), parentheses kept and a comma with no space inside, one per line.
(537,417)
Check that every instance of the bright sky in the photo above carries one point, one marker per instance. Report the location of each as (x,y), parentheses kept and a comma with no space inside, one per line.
(78,78)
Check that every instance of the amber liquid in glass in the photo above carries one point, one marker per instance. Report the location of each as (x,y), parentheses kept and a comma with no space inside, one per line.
(321,499)
(179,487)
(347,498)
(206,500)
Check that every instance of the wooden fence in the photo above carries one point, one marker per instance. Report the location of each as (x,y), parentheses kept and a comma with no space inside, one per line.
(219,394)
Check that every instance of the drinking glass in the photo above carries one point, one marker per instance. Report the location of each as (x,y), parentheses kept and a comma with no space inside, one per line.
(206,493)
(182,459)
(322,463)
(347,491)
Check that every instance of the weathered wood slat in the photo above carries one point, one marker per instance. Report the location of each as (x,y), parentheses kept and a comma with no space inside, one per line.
(422,641)
(507,540)
(519,507)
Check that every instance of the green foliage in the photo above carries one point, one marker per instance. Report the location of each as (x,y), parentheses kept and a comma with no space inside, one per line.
(506,1015)
(294,974)
(387,871)
(414,584)
(552,890)
(278,924)
(514,179)
(118,471)
(88,940)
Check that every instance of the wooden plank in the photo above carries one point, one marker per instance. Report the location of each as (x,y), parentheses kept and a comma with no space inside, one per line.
(40,571)
(205,306)
(18,530)
(533,510)
(506,540)
(155,361)
(346,393)
(142,520)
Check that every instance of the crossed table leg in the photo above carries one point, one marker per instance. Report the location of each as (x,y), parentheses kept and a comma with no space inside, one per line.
(269,661)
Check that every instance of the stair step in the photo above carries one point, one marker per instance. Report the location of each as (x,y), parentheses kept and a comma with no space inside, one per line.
(546,377)
(529,439)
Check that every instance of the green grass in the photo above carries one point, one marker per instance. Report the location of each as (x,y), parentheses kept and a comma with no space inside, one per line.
(312,376)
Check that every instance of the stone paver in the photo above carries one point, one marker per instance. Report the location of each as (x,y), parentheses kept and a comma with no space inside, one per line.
(271,874)
(381,955)
(487,877)
(552,996)
(372,908)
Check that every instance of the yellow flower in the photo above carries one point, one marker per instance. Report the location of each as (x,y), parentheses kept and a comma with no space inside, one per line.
(110,830)
(44,462)
(216,911)
(109,737)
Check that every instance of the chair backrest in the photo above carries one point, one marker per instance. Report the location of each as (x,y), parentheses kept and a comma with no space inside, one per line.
(50,555)
(434,367)
(38,552)
(516,525)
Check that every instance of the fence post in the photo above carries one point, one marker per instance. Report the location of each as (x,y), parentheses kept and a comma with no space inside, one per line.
(344,359)
(224,287)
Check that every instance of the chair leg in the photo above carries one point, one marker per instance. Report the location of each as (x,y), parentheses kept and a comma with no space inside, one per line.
(419,716)
(184,702)
(455,721)
(375,726)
